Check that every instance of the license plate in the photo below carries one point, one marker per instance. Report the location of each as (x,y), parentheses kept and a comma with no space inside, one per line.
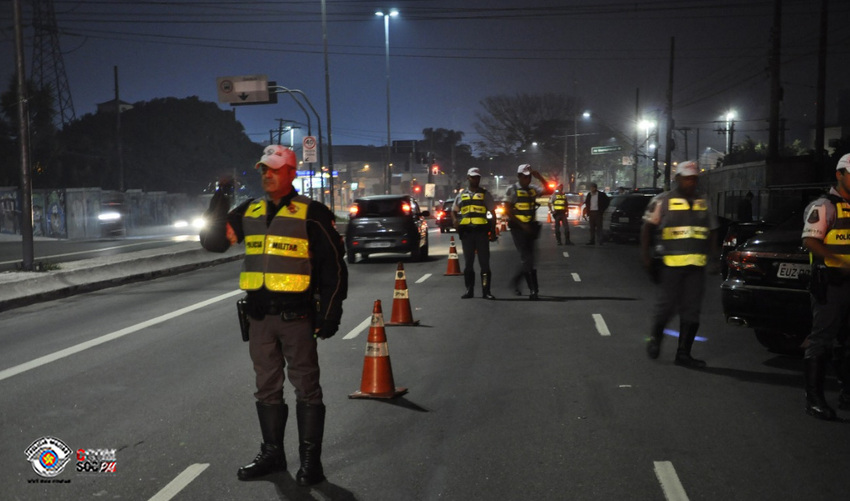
(791,270)
(375,245)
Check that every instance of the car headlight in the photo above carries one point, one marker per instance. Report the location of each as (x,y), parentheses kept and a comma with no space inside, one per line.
(199,223)
(109,216)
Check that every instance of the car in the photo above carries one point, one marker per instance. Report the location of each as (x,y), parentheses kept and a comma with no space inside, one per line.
(575,208)
(443,215)
(111,219)
(766,287)
(624,217)
(386,223)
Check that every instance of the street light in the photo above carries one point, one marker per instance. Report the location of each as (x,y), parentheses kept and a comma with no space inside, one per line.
(497,182)
(566,180)
(386,16)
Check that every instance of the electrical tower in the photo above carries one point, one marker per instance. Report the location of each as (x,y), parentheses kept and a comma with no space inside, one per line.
(48,69)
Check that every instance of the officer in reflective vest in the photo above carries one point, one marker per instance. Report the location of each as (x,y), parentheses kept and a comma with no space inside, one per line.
(560,217)
(522,221)
(295,279)
(680,227)
(473,215)
(826,234)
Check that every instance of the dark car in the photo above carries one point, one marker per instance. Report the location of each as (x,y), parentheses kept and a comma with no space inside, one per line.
(767,287)
(443,216)
(111,219)
(386,223)
(625,216)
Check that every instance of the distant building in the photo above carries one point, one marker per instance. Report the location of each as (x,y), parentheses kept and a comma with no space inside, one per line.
(110,106)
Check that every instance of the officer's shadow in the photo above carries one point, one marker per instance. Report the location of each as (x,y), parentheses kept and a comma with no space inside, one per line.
(564,299)
(288,489)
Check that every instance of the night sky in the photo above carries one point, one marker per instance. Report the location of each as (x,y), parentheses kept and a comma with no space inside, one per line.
(446,56)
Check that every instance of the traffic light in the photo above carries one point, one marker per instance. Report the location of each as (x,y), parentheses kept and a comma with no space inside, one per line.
(435,169)
(417,189)
(551,185)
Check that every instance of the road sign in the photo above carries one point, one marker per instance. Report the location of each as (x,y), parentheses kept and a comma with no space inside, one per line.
(249,89)
(600,150)
(308,149)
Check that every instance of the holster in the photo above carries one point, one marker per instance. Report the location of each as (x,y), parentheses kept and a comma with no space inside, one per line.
(244,322)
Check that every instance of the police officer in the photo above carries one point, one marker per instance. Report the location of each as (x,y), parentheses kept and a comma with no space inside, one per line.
(521,209)
(682,227)
(558,209)
(825,235)
(469,215)
(296,280)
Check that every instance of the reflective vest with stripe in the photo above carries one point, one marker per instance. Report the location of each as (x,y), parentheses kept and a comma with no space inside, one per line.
(525,203)
(684,236)
(277,256)
(837,239)
(559,203)
(472,209)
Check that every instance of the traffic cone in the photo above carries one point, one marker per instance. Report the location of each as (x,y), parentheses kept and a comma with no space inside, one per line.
(377,380)
(497,230)
(453,267)
(401,301)
(504,226)
(549,217)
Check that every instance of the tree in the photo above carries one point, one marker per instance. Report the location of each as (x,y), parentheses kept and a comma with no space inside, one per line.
(42,132)
(446,146)
(168,144)
(509,122)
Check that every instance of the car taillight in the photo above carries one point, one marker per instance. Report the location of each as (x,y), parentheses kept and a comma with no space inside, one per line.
(405,208)
(744,261)
(353,210)
(730,241)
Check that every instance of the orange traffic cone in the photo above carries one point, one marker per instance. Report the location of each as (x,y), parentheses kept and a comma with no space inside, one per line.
(549,217)
(401,301)
(504,226)
(453,267)
(377,380)
(497,230)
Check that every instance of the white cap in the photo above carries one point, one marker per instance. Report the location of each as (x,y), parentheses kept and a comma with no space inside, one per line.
(688,168)
(843,163)
(276,156)
(473,172)
(524,169)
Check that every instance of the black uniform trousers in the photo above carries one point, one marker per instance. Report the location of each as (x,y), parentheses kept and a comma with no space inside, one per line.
(474,240)
(829,319)
(524,243)
(560,218)
(680,290)
(275,343)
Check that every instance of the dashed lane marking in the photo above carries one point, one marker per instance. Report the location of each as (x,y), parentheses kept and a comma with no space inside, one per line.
(600,325)
(360,328)
(424,278)
(576,278)
(182,480)
(673,490)
(566,254)
(67,352)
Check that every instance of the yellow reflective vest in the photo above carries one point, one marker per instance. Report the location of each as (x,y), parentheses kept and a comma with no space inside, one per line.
(837,239)
(559,202)
(685,231)
(277,256)
(525,205)
(472,209)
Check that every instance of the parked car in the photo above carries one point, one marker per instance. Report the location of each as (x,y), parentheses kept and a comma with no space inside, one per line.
(444,216)
(386,223)
(624,216)
(766,288)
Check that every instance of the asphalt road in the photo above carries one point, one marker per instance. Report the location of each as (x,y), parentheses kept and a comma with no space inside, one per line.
(508,399)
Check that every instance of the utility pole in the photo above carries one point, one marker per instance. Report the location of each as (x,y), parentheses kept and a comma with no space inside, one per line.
(685,131)
(24,145)
(637,121)
(821,93)
(775,86)
(118,132)
(668,147)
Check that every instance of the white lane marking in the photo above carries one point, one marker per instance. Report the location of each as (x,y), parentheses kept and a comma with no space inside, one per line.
(181,481)
(566,254)
(93,251)
(424,278)
(673,490)
(67,352)
(600,325)
(576,278)
(357,330)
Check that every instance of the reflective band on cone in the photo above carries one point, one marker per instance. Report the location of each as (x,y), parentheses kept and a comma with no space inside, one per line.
(401,315)
(453,268)
(377,380)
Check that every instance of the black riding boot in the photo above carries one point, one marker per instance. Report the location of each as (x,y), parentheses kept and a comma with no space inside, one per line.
(815,401)
(311,429)
(469,281)
(485,286)
(687,334)
(653,344)
(843,369)
(271,457)
(531,280)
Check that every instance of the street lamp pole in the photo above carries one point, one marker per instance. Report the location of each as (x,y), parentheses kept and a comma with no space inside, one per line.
(387,168)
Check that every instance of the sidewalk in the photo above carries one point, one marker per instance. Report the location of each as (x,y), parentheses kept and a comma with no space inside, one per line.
(20,288)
